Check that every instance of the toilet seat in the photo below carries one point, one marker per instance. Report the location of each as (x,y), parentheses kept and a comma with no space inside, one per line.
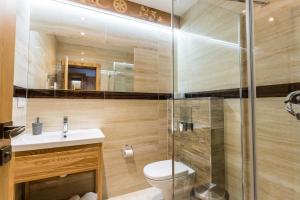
(162,170)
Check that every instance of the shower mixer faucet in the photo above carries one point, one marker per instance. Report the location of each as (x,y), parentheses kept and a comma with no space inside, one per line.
(185,126)
(293,99)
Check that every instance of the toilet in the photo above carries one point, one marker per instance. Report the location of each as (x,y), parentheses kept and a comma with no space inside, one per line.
(159,175)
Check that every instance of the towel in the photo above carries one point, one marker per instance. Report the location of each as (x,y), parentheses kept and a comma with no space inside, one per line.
(90,196)
(75,198)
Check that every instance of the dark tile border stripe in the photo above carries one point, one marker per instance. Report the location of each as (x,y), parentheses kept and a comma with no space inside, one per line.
(20,92)
(227,93)
(279,90)
(72,94)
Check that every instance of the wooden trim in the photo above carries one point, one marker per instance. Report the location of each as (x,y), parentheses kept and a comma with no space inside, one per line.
(132,9)
(7,53)
(83,64)
(99,174)
(47,163)
(66,72)
(95,66)
(98,78)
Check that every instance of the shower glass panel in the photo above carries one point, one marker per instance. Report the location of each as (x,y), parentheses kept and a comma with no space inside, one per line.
(277,74)
(121,78)
(208,108)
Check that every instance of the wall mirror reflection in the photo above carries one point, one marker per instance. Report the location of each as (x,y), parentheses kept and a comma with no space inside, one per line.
(80,48)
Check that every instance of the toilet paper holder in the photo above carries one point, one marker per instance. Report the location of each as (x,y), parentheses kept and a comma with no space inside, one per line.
(127,151)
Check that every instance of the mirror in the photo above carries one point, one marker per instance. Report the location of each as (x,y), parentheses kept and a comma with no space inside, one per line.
(74,47)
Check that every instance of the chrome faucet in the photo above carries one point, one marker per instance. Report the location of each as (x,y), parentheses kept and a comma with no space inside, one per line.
(65,127)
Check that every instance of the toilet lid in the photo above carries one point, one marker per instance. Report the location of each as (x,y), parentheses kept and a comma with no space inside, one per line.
(162,170)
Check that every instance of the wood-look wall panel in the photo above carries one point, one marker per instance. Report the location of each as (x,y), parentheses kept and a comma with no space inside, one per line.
(42,59)
(278,147)
(208,52)
(104,57)
(132,9)
(203,148)
(277,62)
(277,42)
(141,123)
(233,148)
(209,58)
(146,70)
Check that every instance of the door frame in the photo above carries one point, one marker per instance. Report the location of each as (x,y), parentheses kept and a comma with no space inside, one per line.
(95,66)
(7,57)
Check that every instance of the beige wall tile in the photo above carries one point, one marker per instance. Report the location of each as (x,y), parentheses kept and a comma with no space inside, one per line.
(208,51)
(278,147)
(203,148)
(233,148)
(42,59)
(277,42)
(22,43)
(19,111)
(141,123)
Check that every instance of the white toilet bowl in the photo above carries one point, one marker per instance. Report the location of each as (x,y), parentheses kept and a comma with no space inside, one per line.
(159,175)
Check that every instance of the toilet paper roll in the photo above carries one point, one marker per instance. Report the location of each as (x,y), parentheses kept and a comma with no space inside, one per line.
(128,153)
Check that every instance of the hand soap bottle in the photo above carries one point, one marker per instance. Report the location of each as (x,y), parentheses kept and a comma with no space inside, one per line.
(37,127)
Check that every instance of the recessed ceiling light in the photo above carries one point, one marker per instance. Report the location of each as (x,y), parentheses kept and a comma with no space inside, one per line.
(82,33)
(82,59)
(244,11)
(271,19)
(82,53)
(82,18)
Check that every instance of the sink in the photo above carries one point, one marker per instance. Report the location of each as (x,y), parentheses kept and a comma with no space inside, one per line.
(47,140)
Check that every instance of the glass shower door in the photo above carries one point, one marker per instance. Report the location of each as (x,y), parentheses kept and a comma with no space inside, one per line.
(207,111)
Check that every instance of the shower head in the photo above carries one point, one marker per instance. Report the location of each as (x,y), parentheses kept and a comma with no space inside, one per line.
(261,2)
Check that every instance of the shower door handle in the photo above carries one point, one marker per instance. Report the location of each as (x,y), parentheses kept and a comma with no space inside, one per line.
(293,99)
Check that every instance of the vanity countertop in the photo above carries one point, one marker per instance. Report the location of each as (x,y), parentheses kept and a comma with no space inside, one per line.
(48,140)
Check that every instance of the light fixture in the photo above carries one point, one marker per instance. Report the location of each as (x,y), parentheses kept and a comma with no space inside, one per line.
(244,11)
(82,18)
(271,19)
(82,33)
(82,53)
(82,59)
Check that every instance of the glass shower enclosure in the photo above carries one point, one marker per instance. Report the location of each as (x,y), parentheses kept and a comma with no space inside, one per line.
(208,107)
(235,112)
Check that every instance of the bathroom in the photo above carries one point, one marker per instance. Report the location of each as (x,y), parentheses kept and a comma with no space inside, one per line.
(149,99)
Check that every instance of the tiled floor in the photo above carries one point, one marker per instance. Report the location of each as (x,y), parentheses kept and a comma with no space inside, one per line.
(147,194)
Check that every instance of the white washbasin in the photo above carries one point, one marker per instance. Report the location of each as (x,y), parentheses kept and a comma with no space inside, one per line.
(47,140)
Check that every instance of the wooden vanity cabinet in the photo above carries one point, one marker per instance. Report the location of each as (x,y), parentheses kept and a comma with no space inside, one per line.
(47,163)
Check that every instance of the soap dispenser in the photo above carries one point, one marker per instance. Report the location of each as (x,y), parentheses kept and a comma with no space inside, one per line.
(37,127)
